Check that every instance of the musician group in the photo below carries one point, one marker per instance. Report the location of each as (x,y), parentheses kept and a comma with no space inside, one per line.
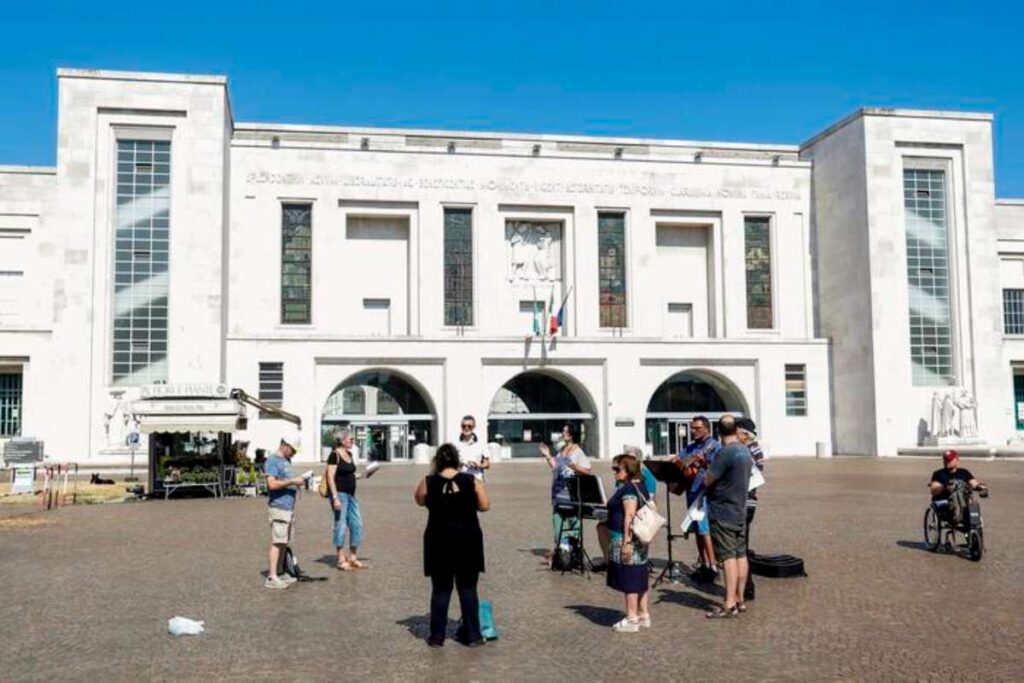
(714,474)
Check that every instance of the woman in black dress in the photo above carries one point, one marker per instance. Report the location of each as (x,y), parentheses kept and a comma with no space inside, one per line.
(627,557)
(453,545)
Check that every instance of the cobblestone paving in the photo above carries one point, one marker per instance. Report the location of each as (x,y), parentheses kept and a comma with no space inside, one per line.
(88,598)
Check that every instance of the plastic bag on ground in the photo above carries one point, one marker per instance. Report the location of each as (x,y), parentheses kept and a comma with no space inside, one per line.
(180,626)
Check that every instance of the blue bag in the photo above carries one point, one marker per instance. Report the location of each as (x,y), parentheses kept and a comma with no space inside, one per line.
(487,628)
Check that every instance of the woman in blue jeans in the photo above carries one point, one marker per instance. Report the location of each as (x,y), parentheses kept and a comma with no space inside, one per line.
(341,479)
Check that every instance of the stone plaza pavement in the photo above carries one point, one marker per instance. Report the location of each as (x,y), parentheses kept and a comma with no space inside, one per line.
(88,596)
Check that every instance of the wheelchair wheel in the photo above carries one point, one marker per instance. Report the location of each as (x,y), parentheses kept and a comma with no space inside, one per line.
(932,530)
(975,546)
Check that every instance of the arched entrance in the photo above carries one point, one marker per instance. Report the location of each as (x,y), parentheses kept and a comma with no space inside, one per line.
(682,397)
(533,406)
(387,414)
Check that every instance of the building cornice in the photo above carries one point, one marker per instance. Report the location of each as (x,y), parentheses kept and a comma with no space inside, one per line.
(865,112)
(29,170)
(151,77)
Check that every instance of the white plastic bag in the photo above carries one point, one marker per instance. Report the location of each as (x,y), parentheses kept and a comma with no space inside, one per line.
(180,626)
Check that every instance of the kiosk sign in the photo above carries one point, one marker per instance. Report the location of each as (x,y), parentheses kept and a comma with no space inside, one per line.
(185,390)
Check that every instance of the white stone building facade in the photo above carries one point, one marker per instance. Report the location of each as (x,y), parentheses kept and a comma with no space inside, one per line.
(391,280)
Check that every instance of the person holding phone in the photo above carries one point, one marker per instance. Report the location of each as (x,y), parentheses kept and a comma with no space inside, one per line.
(282,486)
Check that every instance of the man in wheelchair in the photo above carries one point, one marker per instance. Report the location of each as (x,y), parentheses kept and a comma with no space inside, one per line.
(951,489)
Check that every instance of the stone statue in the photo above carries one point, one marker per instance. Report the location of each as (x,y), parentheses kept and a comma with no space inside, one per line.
(517,256)
(948,415)
(968,414)
(542,264)
(935,426)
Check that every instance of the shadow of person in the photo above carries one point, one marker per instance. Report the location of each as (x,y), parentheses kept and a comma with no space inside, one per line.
(419,626)
(912,545)
(329,560)
(602,616)
(686,599)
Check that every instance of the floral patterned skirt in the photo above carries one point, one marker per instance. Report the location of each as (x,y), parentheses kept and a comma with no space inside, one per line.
(631,576)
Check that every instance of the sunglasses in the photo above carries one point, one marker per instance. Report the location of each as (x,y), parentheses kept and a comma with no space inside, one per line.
(616,469)
(467,426)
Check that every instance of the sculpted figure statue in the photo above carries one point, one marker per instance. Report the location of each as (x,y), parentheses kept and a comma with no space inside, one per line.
(517,256)
(542,260)
(935,425)
(968,414)
(948,415)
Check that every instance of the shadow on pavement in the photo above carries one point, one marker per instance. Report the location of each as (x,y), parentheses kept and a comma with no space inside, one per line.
(913,545)
(419,626)
(691,600)
(602,616)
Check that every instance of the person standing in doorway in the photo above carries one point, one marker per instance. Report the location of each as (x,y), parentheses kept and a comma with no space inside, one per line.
(282,486)
(453,544)
(341,480)
(472,452)
(727,481)
(702,451)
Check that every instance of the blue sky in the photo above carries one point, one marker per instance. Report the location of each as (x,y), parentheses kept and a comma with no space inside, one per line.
(757,72)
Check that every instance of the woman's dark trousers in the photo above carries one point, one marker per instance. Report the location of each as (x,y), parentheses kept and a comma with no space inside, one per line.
(441,595)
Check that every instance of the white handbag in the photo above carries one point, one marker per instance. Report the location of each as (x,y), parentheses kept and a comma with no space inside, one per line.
(646,521)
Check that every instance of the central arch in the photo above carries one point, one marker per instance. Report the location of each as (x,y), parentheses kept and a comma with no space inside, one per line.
(532,407)
(682,397)
(387,411)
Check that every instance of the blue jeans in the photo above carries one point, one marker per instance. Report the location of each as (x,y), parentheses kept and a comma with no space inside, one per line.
(348,517)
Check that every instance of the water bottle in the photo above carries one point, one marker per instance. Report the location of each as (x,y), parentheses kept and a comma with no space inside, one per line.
(675,573)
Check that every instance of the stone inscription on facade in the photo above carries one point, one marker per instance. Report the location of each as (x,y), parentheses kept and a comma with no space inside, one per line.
(519,186)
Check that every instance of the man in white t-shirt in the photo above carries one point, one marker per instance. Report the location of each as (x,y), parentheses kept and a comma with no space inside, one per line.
(472,452)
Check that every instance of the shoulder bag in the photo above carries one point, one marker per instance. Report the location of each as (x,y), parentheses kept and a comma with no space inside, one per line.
(647,521)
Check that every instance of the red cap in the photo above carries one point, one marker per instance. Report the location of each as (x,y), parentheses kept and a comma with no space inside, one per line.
(949,456)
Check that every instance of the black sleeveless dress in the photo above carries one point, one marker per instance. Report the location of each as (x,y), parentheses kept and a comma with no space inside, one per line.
(453,542)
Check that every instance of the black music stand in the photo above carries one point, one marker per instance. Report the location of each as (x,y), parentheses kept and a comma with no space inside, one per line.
(585,490)
(667,473)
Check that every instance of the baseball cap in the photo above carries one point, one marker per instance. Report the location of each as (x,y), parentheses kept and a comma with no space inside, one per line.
(292,442)
(747,425)
(949,456)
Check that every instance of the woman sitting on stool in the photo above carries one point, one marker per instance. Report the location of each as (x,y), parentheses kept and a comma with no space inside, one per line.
(453,545)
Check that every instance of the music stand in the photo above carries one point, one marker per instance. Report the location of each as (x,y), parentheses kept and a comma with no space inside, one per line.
(667,473)
(585,490)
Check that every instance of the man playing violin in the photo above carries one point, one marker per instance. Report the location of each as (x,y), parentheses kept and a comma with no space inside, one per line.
(695,459)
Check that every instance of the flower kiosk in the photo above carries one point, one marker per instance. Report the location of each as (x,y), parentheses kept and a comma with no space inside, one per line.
(189,428)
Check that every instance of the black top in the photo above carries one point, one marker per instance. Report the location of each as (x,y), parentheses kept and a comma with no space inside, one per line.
(453,542)
(727,495)
(944,476)
(345,475)
(617,511)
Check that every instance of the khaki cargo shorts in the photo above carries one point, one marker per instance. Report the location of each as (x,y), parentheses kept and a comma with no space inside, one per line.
(281,525)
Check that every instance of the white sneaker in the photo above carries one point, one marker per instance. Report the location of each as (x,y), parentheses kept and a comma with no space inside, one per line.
(287,578)
(626,626)
(275,582)
(645,621)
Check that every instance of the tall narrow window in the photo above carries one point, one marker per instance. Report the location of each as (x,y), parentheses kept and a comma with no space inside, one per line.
(296,263)
(271,384)
(1013,311)
(931,341)
(758,256)
(611,268)
(10,403)
(141,257)
(796,390)
(458,267)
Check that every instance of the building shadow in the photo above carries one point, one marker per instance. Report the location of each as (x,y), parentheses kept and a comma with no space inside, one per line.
(602,616)
(686,599)
(419,626)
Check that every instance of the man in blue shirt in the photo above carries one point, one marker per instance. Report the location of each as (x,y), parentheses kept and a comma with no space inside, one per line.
(281,494)
(703,444)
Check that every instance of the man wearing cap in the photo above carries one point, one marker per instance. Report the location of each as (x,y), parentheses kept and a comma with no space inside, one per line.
(942,480)
(281,494)
(746,429)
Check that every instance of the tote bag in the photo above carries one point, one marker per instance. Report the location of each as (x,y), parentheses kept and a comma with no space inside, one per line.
(646,521)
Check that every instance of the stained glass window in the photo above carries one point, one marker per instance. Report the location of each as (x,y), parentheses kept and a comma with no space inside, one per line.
(141,257)
(458,267)
(611,268)
(296,263)
(758,256)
